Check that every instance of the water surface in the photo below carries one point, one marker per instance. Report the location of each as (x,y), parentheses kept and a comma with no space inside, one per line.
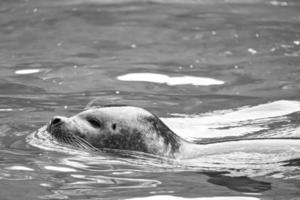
(219,71)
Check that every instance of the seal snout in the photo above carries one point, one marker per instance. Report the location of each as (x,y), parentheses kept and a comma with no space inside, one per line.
(55,122)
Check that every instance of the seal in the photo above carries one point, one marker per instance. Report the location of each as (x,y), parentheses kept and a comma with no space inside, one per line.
(136,129)
(117,127)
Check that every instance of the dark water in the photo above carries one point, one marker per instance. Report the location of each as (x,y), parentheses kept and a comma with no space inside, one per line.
(58,57)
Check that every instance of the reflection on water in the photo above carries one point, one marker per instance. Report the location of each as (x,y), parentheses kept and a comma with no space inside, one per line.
(235,61)
(163,197)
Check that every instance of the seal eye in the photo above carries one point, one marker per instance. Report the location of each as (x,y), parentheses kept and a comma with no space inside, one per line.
(94,122)
(114,126)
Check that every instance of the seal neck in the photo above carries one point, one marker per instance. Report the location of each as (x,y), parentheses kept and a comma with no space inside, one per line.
(170,141)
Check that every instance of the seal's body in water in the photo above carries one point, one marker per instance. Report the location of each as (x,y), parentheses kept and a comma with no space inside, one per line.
(118,127)
(136,129)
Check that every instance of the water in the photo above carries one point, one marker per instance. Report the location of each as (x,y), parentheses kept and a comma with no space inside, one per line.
(214,71)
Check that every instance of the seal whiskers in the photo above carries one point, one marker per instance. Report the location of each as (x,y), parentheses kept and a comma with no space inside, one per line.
(84,144)
(75,141)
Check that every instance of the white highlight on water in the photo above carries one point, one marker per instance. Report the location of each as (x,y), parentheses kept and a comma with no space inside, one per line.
(20,168)
(279,3)
(60,169)
(252,51)
(27,71)
(178,80)
(6,109)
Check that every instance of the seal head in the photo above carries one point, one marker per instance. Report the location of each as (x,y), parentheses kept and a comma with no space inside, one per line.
(116,127)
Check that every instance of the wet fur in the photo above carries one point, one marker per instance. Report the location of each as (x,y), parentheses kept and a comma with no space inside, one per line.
(150,135)
(125,140)
(170,138)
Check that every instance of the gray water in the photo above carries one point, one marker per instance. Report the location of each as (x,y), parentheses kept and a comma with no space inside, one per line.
(60,57)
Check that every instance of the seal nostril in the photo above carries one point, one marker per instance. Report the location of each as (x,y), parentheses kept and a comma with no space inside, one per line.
(56,120)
